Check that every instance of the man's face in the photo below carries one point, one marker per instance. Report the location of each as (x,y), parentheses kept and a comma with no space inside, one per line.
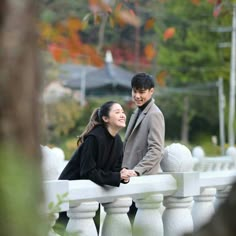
(141,96)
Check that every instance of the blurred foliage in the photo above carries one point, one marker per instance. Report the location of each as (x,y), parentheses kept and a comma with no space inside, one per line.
(50,70)
(20,187)
(61,117)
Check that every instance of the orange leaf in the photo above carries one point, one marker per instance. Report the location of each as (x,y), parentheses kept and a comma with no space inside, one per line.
(132,12)
(56,52)
(98,5)
(118,7)
(149,24)
(161,78)
(126,17)
(169,33)
(149,51)
(94,5)
(217,8)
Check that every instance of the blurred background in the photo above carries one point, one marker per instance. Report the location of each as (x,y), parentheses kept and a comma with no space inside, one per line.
(91,49)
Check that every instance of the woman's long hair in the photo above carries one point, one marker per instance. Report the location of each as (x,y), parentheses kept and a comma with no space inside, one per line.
(96,119)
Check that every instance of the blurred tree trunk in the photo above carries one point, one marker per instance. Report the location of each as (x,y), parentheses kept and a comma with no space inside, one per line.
(20,190)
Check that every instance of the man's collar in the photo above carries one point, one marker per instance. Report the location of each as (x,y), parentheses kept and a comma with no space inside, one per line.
(145,105)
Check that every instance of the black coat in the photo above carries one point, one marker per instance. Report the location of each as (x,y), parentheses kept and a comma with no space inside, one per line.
(98,159)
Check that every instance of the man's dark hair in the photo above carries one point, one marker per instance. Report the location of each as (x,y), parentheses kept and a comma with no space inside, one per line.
(142,81)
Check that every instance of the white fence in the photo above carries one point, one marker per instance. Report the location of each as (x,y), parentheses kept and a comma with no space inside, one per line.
(176,201)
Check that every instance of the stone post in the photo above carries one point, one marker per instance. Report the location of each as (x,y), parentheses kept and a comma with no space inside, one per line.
(116,222)
(221,195)
(148,220)
(177,218)
(81,219)
(203,207)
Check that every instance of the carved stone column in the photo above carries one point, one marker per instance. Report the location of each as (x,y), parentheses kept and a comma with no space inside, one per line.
(116,222)
(203,207)
(177,218)
(221,195)
(81,219)
(148,220)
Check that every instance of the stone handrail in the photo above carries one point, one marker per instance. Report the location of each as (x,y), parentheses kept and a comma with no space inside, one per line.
(171,203)
(203,163)
(213,163)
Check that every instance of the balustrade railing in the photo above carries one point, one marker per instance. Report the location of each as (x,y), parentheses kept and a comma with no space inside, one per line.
(174,202)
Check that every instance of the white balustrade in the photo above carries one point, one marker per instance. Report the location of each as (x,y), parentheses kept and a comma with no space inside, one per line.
(189,198)
(116,201)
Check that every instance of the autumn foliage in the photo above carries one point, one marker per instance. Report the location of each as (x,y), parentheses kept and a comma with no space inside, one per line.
(169,33)
(64,43)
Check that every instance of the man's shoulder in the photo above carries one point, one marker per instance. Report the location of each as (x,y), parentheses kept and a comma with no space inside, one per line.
(154,108)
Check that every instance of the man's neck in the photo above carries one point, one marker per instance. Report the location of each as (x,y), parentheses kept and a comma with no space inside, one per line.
(145,104)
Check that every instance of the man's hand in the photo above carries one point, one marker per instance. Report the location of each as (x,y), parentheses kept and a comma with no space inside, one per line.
(126,174)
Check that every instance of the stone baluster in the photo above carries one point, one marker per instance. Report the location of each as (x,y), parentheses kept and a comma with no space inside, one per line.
(203,207)
(148,220)
(231,151)
(177,218)
(116,222)
(221,195)
(218,165)
(81,219)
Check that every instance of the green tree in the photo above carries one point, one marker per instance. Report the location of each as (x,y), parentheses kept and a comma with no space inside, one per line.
(190,57)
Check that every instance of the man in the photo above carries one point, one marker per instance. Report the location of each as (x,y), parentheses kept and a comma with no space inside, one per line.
(145,134)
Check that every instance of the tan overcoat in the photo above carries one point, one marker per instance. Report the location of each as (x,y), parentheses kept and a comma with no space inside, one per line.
(144,145)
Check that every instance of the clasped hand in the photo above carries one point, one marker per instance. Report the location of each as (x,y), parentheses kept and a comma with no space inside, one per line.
(125,174)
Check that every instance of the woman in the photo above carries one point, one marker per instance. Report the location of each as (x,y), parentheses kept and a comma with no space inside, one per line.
(100,149)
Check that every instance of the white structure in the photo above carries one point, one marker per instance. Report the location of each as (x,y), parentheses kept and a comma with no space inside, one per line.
(189,199)
(53,161)
(198,152)
(203,163)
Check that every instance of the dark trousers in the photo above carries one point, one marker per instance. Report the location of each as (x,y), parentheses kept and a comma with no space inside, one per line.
(132,212)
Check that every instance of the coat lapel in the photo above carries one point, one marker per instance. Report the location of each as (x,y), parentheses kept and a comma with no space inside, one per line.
(131,123)
(142,115)
(133,118)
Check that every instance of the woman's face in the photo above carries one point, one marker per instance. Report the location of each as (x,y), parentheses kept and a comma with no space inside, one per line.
(117,117)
